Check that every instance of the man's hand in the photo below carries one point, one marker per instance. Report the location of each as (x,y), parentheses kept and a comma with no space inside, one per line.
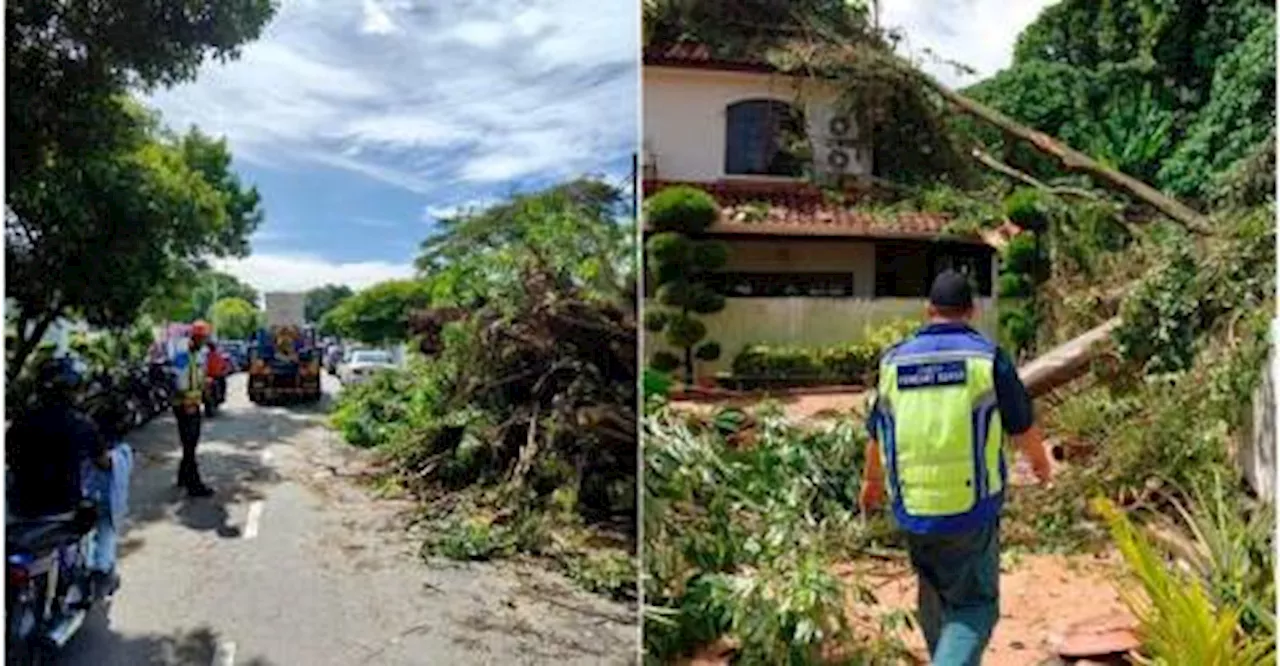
(871,496)
(1033,447)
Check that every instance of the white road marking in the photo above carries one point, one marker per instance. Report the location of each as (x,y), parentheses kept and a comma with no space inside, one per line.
(255,516)
(225,655)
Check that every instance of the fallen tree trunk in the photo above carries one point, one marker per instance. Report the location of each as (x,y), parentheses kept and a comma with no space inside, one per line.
(1067,361)
(1074,160)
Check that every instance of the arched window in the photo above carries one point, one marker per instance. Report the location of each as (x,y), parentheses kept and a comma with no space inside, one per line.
(759,132)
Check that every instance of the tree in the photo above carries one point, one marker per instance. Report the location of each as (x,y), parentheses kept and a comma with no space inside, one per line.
(379,314)
(117,229)
(323,299)
(234,318)
(193,292)
(579,231)
(98,194)
(679,265)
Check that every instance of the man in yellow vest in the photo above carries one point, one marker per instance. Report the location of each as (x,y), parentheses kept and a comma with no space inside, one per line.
(189,368)
(946,396)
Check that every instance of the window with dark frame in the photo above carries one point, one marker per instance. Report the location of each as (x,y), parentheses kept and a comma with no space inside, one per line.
(757,134)
(906,269)
(759,284)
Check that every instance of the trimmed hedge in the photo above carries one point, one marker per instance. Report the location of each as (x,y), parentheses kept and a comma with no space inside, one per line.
(761,365)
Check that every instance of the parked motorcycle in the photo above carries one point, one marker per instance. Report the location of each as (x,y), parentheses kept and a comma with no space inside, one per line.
(49,593)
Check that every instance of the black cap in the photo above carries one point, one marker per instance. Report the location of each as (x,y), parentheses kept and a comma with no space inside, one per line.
(951,290)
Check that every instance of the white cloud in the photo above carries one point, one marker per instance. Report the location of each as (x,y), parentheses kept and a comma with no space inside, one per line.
(445,211)
(376,20)
(978,33)
(425,95)
(293,272)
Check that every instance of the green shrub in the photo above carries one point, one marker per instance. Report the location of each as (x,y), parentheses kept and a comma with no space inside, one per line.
(665,362)
(848,363)
(683,209)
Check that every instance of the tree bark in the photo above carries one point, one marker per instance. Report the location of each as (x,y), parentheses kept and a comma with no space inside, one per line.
(27,343)
(994,164)
(1067,361)
(1073,160)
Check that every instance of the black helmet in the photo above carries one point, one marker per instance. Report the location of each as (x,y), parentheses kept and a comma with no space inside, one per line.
(60,373)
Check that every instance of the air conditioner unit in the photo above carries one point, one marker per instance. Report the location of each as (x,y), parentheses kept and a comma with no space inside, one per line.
(841,151)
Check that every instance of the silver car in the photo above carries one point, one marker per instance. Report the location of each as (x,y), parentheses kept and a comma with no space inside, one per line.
(363,363)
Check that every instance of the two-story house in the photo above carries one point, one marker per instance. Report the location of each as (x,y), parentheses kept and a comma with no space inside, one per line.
(803,267)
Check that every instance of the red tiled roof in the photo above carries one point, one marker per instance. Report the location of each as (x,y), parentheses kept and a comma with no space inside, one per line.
(700,56)
(802,209)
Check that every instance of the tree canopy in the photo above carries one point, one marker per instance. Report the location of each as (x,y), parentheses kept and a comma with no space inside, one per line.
(321,300)
(578,230)
(99,193)
(1173,94)
(234,318)
(379,314)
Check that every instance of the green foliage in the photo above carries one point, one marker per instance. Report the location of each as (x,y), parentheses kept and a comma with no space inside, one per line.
(1238,116)
(665,362)
(708,351)
(1180,625)
(656,319)
(511,425)
(852,363)
(1173,307)
(678,265)
(321,300)
(97,194)
(684,331)
(1171,93)
(234,319)
(742,542)
(681,209)
(379,314)
(579,231)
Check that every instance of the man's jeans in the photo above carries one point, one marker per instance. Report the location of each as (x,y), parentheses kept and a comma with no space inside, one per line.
(110,490)
(959,584)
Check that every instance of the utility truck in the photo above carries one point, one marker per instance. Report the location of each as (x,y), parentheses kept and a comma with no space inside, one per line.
(284,360)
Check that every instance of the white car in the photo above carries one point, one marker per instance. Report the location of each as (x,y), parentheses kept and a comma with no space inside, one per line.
(363,363)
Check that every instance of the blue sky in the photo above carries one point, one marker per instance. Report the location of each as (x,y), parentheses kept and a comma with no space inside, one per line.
(363,121)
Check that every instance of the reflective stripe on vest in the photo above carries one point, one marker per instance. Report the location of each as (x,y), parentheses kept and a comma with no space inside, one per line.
(941,431)
(190,376)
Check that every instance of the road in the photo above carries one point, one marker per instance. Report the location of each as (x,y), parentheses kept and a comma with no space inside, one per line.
(294,564)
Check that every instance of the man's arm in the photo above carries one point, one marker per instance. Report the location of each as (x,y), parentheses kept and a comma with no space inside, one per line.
(872,491)
(1018,417)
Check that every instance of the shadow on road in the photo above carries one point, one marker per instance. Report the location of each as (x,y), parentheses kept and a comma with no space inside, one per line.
(196,647)
(230,457)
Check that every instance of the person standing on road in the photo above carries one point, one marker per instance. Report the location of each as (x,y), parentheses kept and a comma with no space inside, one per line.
(946,396)
(189,370)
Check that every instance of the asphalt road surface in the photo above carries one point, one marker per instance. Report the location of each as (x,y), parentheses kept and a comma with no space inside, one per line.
(292,563)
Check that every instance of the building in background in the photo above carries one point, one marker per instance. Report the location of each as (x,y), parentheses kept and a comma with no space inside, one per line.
(804,267)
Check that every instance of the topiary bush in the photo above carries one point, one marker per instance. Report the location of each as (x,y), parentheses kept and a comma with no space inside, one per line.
(850,363)
(678,264)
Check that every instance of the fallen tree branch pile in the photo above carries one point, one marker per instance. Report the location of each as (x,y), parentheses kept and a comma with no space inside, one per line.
(557,379)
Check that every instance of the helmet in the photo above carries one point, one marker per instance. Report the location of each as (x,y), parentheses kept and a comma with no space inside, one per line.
(200,330)
(59,374)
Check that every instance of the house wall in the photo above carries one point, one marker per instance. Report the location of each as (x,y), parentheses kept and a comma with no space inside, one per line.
(855,257)
(685,117)
(807,322)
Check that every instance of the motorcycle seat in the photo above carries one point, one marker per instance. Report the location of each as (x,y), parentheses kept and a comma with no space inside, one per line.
(44,533)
